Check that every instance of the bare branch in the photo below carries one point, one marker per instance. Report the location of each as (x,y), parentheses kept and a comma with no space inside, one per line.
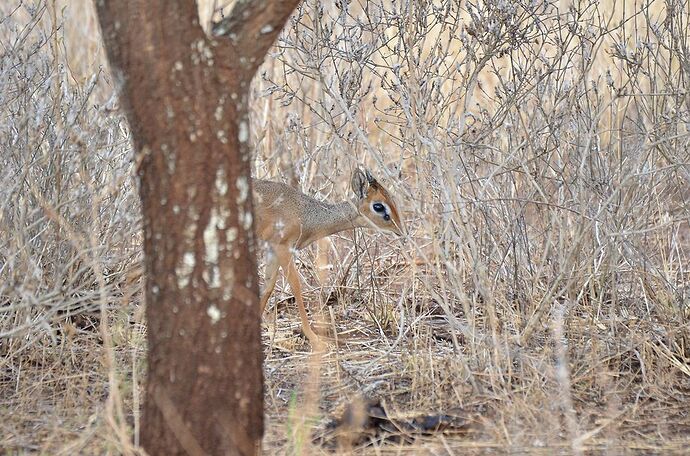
(253,27)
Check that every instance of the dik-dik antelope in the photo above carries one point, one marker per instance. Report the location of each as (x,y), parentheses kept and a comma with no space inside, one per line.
(287,219)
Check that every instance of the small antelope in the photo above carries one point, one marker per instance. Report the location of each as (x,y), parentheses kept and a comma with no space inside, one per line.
(288,219)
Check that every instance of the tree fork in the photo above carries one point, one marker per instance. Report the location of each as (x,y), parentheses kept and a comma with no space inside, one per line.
(185,97)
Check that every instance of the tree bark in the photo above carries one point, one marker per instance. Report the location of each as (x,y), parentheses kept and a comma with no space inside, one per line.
(185,97)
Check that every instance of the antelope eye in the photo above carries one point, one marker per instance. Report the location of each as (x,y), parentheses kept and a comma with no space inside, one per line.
(378,207)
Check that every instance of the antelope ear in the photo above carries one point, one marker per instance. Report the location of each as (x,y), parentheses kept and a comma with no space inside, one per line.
(370,178)
(360,183)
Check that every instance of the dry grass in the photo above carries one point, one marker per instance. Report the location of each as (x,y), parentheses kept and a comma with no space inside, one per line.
(541,153)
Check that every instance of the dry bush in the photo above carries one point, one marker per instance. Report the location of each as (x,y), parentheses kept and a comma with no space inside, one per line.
(543,155)
(540,154)
(69,238)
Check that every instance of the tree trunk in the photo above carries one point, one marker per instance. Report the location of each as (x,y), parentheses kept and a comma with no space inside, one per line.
(185,97)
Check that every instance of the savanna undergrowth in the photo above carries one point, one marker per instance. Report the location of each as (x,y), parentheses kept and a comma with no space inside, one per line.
(540,153)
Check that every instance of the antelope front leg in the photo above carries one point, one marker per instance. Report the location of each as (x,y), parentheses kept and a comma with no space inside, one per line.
(270,278)
(285,259)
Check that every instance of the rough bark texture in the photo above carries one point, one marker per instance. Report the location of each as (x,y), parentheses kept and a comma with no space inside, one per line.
(185,98)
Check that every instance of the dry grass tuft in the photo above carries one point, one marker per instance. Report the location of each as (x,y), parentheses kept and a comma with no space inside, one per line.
(540,152)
